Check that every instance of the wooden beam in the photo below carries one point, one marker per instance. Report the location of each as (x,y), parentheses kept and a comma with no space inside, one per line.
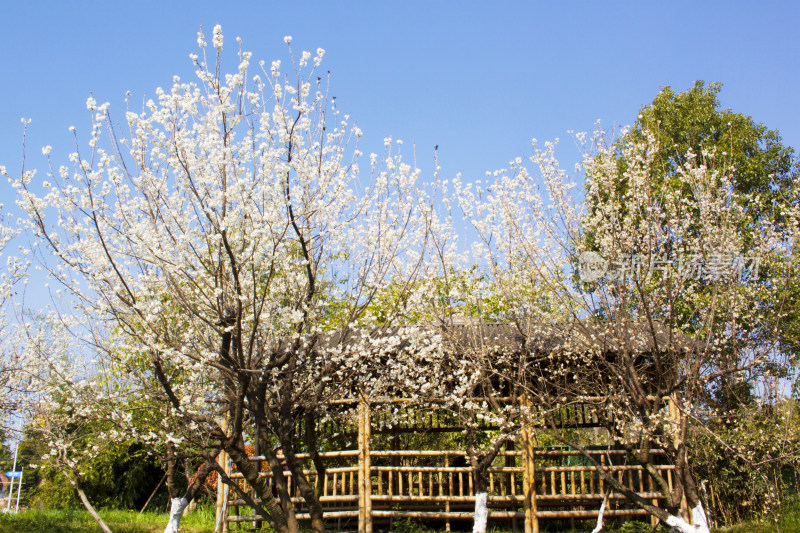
(368,466)
(362,520)
(364,467)
(529,473)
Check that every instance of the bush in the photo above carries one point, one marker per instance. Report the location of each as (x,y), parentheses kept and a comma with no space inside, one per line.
(745,471)
(121,477)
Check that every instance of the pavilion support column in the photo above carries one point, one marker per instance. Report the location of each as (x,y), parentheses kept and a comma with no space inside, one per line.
(221,518)
(223,459)
(675,416)
(529,471)
(364,467)
(510,462)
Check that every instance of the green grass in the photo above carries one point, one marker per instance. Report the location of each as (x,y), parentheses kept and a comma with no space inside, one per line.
(786,521)
(79,521)
(202,521)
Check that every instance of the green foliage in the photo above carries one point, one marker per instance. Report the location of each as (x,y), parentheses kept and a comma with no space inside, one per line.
(633,527)
(764,171)
(786,520)
(29,453)
(120,477)
(693,121)
(409,525)
(6,453)
(749,462)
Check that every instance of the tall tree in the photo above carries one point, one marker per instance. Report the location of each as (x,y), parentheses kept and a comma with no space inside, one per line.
(217,244)
(692,128)
(762,168)
(13,375)
(656,304)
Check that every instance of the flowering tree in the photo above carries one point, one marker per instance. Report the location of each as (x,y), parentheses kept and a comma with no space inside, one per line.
(12,364)
(61,406)
(457,373)
(664,281)
(762,172)
(483,402)
(218,242)
(42,384)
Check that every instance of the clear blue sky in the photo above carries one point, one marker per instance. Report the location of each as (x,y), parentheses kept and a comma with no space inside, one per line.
(478,79)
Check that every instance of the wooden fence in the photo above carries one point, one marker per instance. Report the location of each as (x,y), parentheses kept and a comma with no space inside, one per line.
(533,484)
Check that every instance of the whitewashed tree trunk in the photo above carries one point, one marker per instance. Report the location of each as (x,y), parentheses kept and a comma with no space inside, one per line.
(680,525)
(599,527)
(175,514)
(481,513)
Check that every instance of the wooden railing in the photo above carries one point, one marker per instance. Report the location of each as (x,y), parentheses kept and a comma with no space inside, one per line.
(436,485)
(528,483)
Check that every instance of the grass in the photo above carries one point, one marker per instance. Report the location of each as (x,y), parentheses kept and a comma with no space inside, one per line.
(786,521)
(202,521)
(79,521)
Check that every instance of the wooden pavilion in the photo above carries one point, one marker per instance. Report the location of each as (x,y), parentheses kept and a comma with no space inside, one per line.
(383,471)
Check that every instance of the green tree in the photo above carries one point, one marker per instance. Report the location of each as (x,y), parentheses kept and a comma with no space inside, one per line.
(764,169)
(122,476)
(692,130)
(763,173)
(692,124)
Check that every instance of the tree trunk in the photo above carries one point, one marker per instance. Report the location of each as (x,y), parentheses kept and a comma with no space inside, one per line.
(314,506)
(599,527)
(275,513)
(317,521)
(480,476)
(481,513)
(307,491)
(172,467)
(88,505)
(480,479)
(178,505)
(72,477)
(677,523)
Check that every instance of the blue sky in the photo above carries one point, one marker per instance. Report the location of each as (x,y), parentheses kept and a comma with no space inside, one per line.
(477,79)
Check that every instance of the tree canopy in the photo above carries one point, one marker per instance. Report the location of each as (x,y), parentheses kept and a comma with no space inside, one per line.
(693,122)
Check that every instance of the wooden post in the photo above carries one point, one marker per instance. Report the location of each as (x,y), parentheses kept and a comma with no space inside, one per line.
(510,461)
(362,521)
(529,474)
(221,517)
(449,493)
(368,466)
(675,416)
(364,468)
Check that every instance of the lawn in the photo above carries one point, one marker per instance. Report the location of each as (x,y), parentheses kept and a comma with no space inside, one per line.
(79,521)
(202,521)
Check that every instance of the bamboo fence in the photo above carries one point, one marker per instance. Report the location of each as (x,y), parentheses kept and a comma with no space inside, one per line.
(532,485)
